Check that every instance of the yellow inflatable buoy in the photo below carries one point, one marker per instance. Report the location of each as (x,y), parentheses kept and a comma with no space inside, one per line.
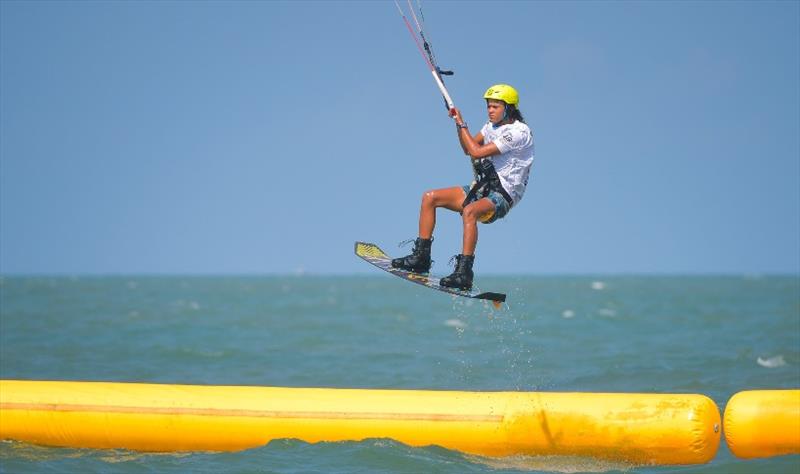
(634,428)
(763,423)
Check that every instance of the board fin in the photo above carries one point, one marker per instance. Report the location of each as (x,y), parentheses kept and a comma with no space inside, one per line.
(497,299)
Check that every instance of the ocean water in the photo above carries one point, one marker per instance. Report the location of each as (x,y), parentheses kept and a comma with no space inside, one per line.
(714,335)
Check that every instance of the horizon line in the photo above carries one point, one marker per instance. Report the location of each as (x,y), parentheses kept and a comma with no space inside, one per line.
(302,274)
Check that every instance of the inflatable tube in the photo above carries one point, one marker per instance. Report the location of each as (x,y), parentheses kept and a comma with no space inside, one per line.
(636,428)
(763,423)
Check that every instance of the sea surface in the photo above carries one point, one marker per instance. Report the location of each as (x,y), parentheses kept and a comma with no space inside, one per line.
(714,335)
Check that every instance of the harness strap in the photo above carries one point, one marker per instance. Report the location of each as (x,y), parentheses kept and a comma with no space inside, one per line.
(486,182)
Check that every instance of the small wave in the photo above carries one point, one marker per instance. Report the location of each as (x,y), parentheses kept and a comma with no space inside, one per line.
(752,277)
(771,362)
(455,323)
(598,285)
(202,353)
(192,305)
(10,449)
(552,463)
(567,314)
(117,456)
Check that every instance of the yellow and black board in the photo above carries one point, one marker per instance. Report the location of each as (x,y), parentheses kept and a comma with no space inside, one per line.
(374,255)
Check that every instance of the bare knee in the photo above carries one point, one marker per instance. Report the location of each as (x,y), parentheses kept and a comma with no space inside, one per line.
(470,214)
(429,198)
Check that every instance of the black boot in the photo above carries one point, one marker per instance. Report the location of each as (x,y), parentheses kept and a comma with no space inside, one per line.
(420,259)
(461,278)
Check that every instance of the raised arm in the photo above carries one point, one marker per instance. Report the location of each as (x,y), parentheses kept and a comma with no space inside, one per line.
(472,145)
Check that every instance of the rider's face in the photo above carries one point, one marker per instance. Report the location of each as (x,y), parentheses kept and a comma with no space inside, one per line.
(496,110)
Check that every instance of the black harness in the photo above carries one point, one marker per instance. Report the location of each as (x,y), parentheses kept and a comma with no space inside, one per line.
(486,181)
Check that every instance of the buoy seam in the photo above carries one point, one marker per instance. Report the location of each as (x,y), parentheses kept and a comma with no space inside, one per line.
(251,413)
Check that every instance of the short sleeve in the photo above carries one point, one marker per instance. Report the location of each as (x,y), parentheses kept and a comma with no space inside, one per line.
(510,139)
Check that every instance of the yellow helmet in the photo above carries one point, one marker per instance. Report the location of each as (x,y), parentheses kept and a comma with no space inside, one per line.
(503,92)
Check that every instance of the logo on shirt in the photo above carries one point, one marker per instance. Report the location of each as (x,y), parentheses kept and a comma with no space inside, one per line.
(507,137)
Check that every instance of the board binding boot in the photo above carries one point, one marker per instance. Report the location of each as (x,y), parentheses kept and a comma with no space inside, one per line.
(419,261)
(373,254)
(462,277)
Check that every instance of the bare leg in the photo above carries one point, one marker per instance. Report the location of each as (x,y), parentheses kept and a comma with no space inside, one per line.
(470,216)
(449,198)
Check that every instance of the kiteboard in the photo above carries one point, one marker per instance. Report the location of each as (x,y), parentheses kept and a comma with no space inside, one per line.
(374,255)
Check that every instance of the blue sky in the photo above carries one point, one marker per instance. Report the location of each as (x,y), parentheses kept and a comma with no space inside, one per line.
(266,137)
